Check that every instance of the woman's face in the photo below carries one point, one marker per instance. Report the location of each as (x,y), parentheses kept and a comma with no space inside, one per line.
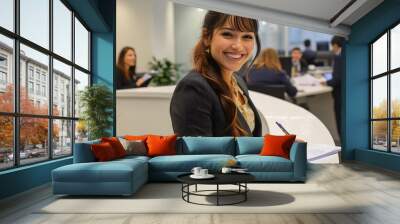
(130,58)
(231,48)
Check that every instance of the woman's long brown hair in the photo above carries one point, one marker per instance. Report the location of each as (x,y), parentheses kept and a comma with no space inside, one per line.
(120,63)
(269,59)
(204,64)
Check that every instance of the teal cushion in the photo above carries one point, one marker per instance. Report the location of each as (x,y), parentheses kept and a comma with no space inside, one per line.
(131,161)
(111,171)
(257,163)
(133,157)
(185,163)
(249,145)
(206,145)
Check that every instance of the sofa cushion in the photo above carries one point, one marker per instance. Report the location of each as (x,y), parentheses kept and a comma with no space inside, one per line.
(131,158)
(185,163)
(161,145)
(136,137)
(111,171)
(134,147)
(116,145)
(206,145)
(277,145)
(103,152)
(257,163)
(93,172)
(249,145)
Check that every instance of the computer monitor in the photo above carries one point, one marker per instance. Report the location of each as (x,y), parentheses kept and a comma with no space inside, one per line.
(323,46)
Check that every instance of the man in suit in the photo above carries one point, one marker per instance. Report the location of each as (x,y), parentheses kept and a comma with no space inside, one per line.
(337,73)
(296,65)
(309,55)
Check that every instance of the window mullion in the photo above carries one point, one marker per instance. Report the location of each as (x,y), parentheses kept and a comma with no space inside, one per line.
(73,82)
(371,140)
(389,105)
(16,84)
(50,81)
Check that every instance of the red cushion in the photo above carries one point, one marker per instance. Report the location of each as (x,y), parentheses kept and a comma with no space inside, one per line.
(136,137)
(161,145)
(277,145)
(103,152)
(116,145)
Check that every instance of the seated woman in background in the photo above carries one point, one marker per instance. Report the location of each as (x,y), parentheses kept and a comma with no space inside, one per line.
(126,68)
(213,100)
(268,70)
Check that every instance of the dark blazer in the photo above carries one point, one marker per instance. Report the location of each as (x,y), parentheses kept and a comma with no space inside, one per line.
(335,82)
(123,83)
(196,109)
(271,77)
(337,71)
(287,66)
(309,56)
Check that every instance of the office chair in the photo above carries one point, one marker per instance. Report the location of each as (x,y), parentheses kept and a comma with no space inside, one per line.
(277,91)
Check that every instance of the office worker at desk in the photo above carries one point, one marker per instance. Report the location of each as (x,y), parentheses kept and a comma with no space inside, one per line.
(309,55)
(267,70)
(126,70)
(212,100)
(297,65)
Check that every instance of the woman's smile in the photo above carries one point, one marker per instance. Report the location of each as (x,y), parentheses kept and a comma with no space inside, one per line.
(234,56)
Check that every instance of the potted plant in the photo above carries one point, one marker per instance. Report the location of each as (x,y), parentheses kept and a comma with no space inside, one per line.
(166,72)
(96,102)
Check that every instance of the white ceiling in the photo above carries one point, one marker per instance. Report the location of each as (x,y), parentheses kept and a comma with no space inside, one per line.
(319,9)
(314,15)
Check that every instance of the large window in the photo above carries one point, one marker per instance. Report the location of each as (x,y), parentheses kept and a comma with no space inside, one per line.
(385,91)
(44,64)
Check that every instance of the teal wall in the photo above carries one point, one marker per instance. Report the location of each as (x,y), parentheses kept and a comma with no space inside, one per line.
(103,61)
(24,178)
(99,16)
(356,131)
(103,53)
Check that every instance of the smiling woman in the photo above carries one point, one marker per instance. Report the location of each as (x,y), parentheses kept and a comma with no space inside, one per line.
(213,100)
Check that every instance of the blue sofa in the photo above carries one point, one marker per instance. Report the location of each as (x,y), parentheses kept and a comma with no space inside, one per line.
(125,176)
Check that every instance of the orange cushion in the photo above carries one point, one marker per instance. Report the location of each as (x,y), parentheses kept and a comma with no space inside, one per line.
(277,145)
(136,137)
(103,152)
(116,145)
(161,145)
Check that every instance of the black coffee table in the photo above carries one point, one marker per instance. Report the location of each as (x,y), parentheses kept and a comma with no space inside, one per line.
(238,179)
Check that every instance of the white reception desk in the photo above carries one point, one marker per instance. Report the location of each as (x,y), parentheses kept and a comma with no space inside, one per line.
(146,111)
